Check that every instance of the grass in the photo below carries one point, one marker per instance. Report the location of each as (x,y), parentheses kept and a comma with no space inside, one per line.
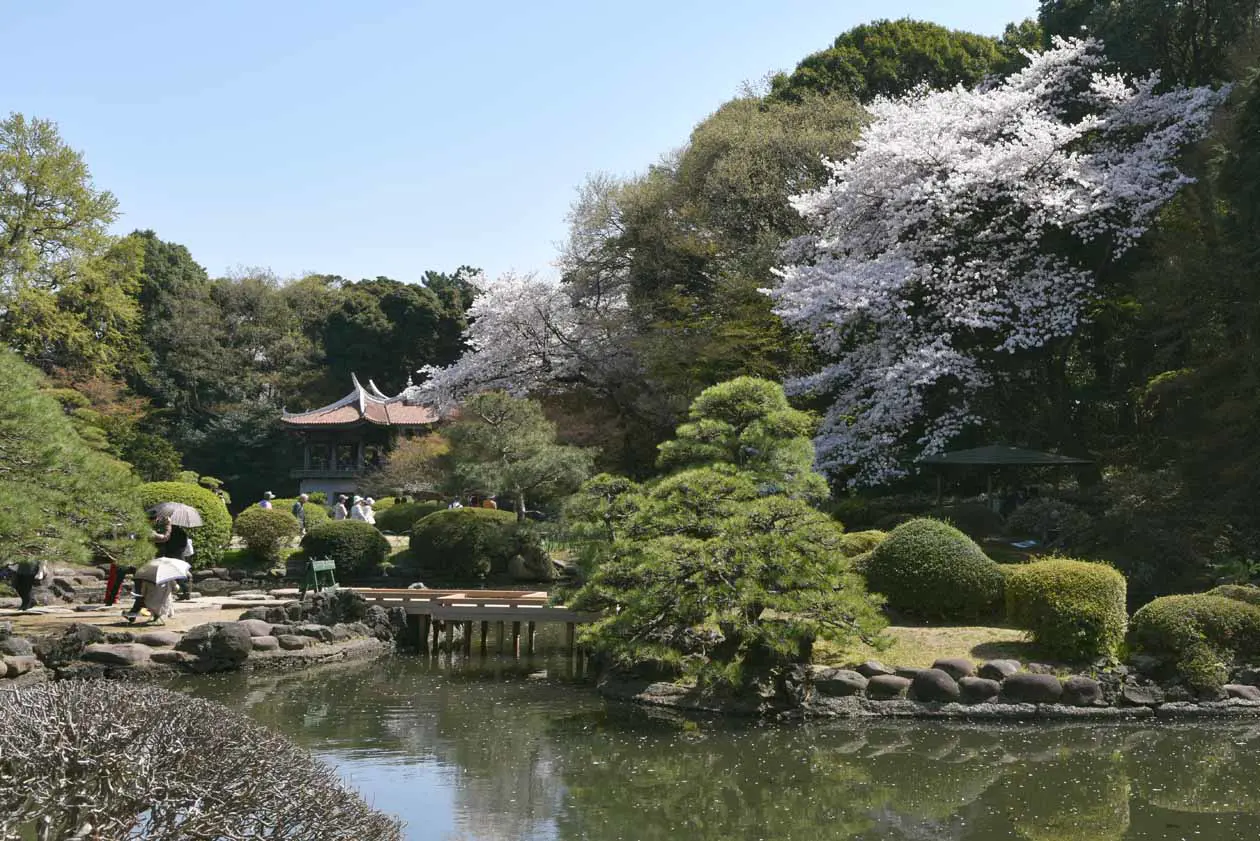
(916,645)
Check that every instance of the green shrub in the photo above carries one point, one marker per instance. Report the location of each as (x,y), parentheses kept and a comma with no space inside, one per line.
(315,513)
(465,544)
(930,570)
(213,536)
(266,531)
(1075,610)
(1201,636)
(1238,592)
(974,519)
(358,547)
(399,519)
(857,543)
(318,498)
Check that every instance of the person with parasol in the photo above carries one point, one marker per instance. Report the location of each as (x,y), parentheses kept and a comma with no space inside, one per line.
(157,580)
(171,522)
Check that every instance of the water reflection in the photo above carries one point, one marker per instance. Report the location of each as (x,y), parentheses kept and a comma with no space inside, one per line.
(467,753)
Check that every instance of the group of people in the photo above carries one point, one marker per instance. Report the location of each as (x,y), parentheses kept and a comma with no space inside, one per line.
(346,508)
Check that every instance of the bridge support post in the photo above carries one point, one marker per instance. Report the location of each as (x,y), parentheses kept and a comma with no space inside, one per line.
(532,630)
(425,621)
(485,630)
(437,635)
(516,639)
(468,626)
(501,635)
(570,633)
(450,636)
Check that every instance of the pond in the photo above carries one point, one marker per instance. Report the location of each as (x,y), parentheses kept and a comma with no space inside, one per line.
(491,751)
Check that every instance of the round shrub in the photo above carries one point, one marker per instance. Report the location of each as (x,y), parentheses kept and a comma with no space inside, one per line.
(1201,637)
(357,547)
(1238,592)
(1074,609)
(856,543)
(212,538)
(465,544)
(399,519)
(266,531)
(930,570)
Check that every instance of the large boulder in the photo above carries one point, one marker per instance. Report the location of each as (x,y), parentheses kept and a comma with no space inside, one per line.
(318,632)
(934,685)
(887,687)
(839,682)
(265,643)
(65,649)
(158,639)
(956,667)
(998,670)
(119,654)
(1081,691)
(256,627)
(874,668)
(1029,688)
(1244,691)
(16,647)
(977,690)
(1141,695)
(272,615)
(531,567)
(294,642)
(218,646)
(12,667)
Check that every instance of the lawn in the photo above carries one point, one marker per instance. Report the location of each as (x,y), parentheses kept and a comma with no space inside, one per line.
(918,645)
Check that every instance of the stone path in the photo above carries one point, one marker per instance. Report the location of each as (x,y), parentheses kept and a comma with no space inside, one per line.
(199,610)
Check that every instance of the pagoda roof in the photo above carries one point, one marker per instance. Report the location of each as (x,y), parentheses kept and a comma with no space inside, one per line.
(367,405)
(998,455)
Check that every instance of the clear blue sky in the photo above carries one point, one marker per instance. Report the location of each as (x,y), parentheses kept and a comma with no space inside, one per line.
(383,137)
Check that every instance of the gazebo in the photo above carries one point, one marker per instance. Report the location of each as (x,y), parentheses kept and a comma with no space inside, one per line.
(996,455)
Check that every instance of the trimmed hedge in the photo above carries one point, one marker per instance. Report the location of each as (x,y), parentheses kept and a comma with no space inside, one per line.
(1201,636)
(399,519)
(465,544)
(930,570)
(1238,592)
(212,538)
(266,532)
(1074,609)
(357,547)
(315,513)
(857,543)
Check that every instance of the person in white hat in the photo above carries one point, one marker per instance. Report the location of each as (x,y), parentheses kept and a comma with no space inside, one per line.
(268,496)
(356,510)
(369,516)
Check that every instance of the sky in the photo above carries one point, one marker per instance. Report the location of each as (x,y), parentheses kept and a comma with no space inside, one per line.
(383,137)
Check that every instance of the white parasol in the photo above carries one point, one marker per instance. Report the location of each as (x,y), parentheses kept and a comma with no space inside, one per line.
(161,570)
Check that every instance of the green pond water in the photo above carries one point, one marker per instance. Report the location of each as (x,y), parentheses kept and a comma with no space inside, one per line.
(487,751)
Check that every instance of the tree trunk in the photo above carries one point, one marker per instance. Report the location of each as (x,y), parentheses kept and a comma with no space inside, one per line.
(520,507)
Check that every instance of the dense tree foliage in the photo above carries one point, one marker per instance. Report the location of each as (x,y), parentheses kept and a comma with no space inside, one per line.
(60,499)
(710,571)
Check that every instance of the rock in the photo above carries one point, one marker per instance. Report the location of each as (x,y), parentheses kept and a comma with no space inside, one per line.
(358,629)
(934,685)
(6,630)
(886,687)
(908,672)
(64,650)
(873,668)
(256,627)
(1245,691)
(998,670)
(265,643)
(17,666)
(171,657)
(1031,688)
(977,690)
(1141,696)
(218,646)
(956,667)
(119,654)
(839,683)
(340,633)
(158,639)
(320,632)
(117,637)
(1144,664)
(1178,694)
(294,642)
(1249,675)
(16,647)
(272,615)
(1081,691)
(537,567)
(1040,668)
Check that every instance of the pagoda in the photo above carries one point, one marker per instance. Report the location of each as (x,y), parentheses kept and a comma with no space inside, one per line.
(343,439)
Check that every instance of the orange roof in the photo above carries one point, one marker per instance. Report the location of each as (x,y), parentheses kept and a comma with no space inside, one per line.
(368,405)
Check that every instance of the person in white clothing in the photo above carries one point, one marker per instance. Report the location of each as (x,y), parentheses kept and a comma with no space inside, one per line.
(369,516)
(356,510)
(339,510)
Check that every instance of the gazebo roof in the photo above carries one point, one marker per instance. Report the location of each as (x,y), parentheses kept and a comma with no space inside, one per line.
(366,405)
(1000,455)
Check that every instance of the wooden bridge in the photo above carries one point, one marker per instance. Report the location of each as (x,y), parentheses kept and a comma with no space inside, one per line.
(430,612)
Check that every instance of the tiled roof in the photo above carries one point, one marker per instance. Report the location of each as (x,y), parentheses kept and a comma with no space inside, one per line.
(367,405)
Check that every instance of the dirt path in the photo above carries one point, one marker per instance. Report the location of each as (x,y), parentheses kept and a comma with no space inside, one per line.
(198,611)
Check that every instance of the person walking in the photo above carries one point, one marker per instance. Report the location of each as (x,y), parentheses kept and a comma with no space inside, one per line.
(455,505)
(356,510)
(489,502)
(299,511)
(173,542)
(339,510)
(26,574)
(369,516)
(265,502)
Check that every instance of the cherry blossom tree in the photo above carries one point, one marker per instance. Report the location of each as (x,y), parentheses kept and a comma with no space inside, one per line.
(530,335)
(970,228)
